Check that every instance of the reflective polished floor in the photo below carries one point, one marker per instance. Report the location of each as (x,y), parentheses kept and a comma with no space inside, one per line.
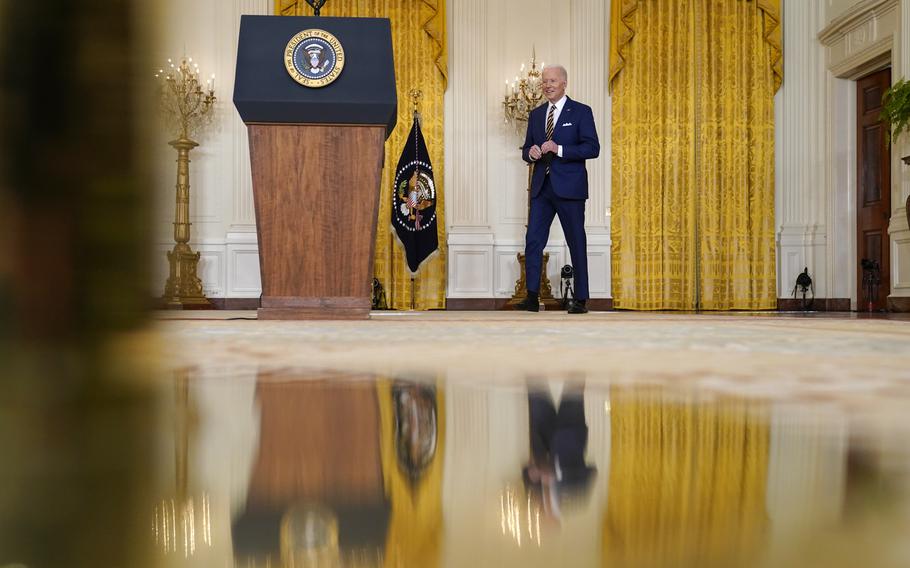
(526,440)
(538,440)
(285,467)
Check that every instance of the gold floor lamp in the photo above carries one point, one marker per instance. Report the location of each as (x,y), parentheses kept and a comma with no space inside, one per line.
(187,110)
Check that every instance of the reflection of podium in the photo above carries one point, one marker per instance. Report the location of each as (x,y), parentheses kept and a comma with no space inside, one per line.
(316,158)
(317,474)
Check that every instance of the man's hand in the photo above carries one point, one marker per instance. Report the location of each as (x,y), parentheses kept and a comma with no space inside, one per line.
(535,152)
(549,146)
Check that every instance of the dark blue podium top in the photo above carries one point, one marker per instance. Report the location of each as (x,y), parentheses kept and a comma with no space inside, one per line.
(364,92)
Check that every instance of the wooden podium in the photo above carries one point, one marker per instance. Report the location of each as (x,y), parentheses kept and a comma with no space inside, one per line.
(316,159)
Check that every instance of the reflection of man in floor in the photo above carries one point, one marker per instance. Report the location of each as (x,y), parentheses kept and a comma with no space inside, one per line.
(557,473)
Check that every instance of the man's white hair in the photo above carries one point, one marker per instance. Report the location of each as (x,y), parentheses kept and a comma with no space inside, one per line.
(560,68)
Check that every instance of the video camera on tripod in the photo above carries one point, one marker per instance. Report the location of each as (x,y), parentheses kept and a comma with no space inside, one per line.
(566,281)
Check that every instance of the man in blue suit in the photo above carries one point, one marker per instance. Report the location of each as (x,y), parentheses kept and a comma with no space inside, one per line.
(561,136)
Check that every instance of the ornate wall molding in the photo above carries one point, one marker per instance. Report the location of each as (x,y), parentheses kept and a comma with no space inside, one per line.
(854,17)
(589,60)
(860,40)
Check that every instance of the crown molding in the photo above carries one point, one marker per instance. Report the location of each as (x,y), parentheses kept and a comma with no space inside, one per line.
(853,18)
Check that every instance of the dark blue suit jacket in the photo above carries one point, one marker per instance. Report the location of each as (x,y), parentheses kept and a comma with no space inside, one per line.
(576,133)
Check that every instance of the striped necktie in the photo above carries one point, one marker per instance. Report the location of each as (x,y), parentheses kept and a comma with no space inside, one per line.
(550,127)
(550,122)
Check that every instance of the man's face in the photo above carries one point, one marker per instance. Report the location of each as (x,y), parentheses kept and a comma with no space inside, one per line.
(554,86)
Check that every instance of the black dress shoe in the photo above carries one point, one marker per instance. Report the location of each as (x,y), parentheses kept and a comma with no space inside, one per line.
(578,307)
(529,304)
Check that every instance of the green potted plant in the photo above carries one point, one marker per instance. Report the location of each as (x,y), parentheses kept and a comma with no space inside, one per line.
(896,112)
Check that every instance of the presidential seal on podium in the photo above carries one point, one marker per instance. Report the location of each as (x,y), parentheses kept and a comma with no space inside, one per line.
(314,58)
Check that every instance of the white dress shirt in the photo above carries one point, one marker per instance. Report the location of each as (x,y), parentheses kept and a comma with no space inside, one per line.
(559,104)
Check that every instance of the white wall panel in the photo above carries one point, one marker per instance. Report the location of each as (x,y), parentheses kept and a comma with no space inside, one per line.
(243,271)
(471,272)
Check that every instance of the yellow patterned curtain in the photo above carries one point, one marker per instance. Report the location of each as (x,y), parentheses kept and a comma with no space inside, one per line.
(419,43)
(653,211)
(687,482)
(736,264)
(415,524)
(693,85)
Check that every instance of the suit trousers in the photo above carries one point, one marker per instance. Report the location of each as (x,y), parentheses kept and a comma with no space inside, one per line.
(571,212)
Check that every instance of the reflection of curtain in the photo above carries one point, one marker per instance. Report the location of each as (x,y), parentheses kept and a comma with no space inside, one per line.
(415,525)
(693,152)
(687,482)
(419,44)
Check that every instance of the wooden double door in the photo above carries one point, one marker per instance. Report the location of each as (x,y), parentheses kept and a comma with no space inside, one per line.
(873,195)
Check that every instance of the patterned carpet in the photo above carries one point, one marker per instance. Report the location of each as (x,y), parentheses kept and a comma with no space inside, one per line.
(768,355)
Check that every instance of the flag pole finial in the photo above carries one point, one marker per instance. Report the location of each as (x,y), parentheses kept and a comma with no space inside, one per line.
(415,95)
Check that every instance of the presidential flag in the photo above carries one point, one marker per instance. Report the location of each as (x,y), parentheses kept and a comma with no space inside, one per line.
(414,201)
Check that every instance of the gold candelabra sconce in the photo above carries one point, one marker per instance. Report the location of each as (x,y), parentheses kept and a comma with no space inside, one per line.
(523,94)
(187,110)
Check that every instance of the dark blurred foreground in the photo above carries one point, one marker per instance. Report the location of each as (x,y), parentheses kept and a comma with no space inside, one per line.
(73,258)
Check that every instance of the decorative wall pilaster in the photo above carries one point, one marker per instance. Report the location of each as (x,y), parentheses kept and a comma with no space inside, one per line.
(467,203)
(802,134)
(243,215)
(470,238)
(589,45)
